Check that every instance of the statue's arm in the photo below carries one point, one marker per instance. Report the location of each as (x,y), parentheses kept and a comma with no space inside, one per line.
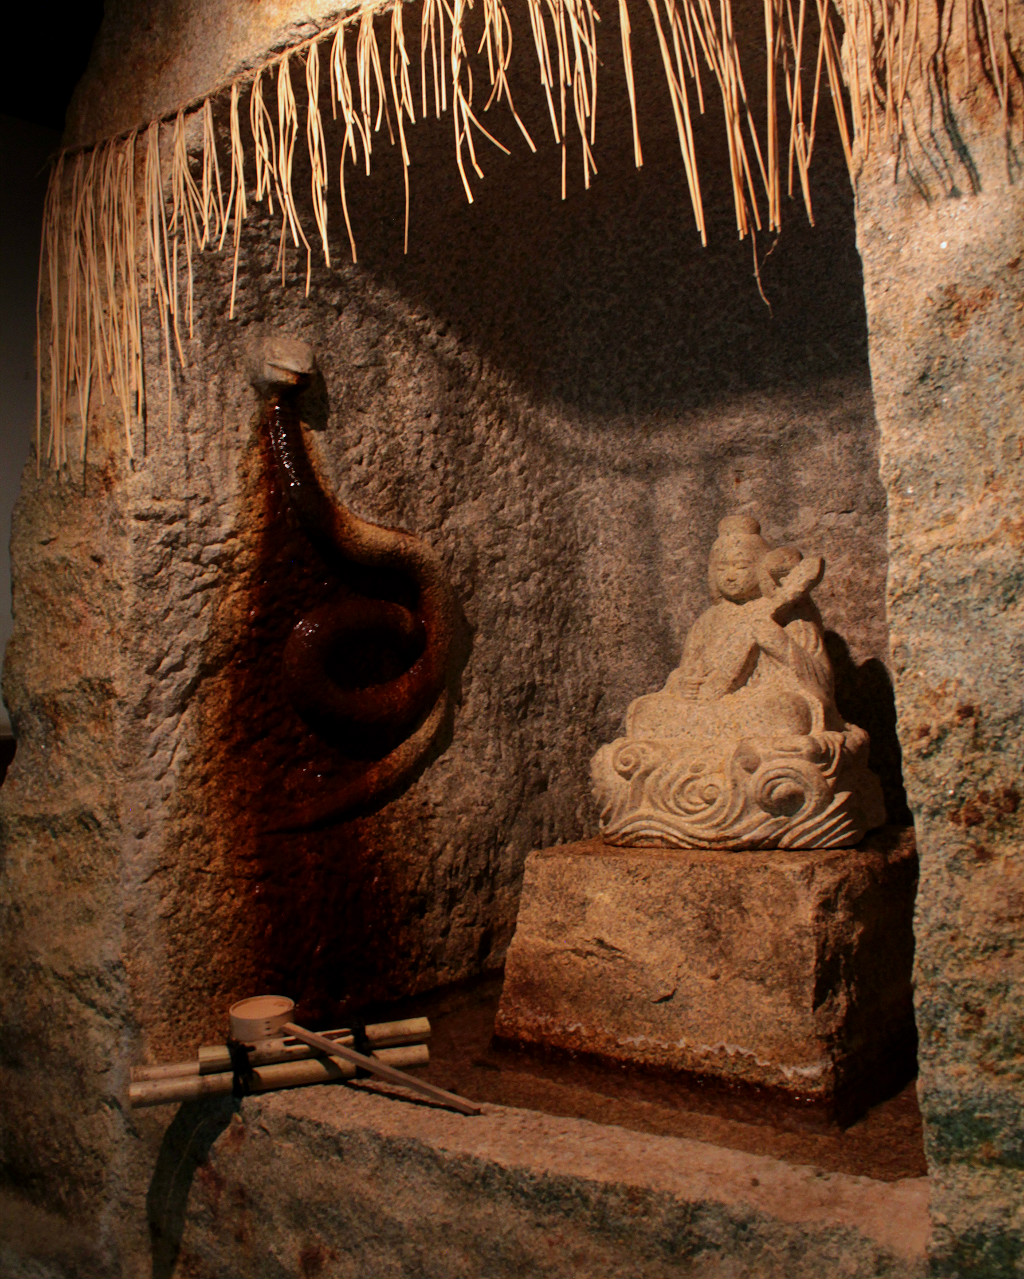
(798,584)
(778,640)
(689,676)
(766,632)
(733,655)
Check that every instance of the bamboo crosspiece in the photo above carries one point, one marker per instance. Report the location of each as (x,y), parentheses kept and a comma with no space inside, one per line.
(382,1070)
(281,1054)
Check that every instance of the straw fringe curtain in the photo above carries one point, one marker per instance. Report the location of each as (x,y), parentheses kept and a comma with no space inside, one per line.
(125,220)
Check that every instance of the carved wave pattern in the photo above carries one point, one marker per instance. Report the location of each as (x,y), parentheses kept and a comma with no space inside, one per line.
(786,792)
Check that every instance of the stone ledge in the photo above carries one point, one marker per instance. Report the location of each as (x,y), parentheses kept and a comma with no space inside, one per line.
(341,1182)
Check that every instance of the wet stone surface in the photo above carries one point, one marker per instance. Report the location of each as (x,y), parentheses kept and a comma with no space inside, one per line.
(882,1141)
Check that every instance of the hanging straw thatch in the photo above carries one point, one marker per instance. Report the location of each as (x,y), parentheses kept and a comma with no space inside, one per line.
(95,250)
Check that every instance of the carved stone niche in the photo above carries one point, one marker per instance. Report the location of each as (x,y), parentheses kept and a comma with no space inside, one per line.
(723,925)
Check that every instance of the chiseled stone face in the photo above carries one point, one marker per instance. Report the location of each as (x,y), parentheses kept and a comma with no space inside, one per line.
(733,569)
(944,282)
(744,747)
(788,970)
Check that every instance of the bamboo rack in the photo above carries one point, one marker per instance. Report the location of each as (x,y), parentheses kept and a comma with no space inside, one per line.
(286,1074)
(212,1059)
(278,1053)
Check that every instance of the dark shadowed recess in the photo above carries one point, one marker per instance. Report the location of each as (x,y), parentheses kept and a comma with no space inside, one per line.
(606,302)
(864,695)
(37,87)
(7,747)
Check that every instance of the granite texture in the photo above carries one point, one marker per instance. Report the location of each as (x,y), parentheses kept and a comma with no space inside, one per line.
(163,54)
(555,422)
(944,285)
(788,970)
(744,747)
(63,913)
(388,1189)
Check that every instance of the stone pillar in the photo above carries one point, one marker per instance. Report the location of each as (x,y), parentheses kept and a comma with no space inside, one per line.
(941,237)
(67,1034)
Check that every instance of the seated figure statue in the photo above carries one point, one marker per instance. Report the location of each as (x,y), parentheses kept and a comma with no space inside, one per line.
(744,746)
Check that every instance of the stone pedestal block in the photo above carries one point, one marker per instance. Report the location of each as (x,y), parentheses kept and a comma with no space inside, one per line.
(786,970)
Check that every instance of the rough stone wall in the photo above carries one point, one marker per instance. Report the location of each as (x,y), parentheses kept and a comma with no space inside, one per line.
(556,452)
(67,1021)
(163,54)
(563,398)
(944,283)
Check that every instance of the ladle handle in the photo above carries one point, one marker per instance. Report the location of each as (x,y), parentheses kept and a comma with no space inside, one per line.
(333,1049)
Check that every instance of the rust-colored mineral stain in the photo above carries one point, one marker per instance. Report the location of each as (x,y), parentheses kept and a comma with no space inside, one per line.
(960,305)
(313,1259)
(986,808)
(213,1183)
(319,914)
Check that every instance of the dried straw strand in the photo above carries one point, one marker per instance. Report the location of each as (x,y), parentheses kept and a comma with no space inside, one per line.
(341,97)
(370,78)
(463,116)
(497,40)
(186,219)
(213,192)
(125,366)
(236,197)
(89,291)
(538,28)
(287,133)
(401,97)
(264,144)
(158,258)
(626,32)
(432,37)
(679,97)
(317,146)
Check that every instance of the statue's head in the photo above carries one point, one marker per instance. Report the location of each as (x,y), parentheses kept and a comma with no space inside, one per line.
(735,557)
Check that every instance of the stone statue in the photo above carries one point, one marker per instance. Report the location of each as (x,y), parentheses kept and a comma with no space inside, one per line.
(744,747)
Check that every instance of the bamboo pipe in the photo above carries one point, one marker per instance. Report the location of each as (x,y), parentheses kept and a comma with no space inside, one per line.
(213,1058)
(288,1074)
(382,1070)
